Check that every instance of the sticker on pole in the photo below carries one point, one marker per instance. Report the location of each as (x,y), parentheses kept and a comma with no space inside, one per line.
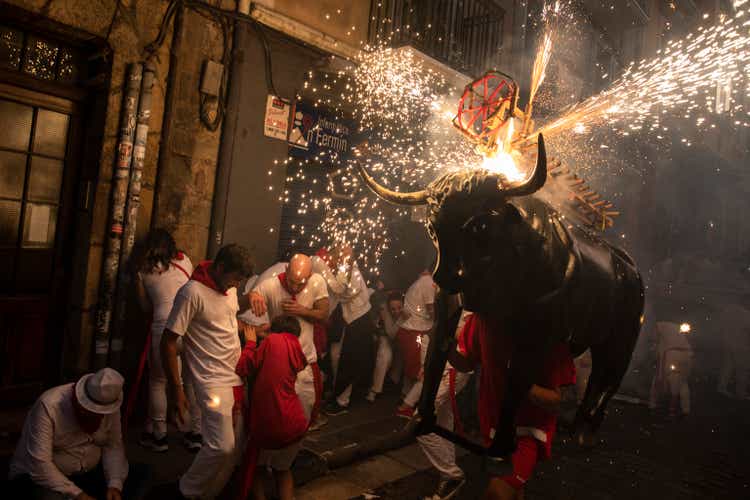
(276,122)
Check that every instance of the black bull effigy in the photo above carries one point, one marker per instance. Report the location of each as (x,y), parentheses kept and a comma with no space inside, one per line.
(510,258)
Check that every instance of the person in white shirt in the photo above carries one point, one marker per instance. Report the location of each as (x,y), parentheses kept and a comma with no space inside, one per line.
(734,320)
(417,319)
(303,294)
(388,316)
(161,273)
(673,366)
(348,287)
(261,323)
(68,433)
(204,315)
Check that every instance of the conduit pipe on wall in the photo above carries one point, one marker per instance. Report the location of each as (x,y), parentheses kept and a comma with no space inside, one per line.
(131,216)
(116,219)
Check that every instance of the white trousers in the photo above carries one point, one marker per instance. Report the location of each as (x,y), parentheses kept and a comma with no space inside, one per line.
(222,444)
(412,388)
(156,423)
(676,370)
(737,362)
(383,360)
(439,451)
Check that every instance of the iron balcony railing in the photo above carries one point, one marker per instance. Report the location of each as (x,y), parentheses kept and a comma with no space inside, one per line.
(464,34)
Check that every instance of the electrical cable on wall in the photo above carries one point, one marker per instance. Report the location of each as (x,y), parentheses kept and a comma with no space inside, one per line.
(223,18)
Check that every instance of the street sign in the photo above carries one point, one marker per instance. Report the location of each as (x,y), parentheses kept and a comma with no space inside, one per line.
(316,132)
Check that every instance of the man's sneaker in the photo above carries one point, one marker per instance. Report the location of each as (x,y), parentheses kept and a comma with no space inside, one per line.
(447,489)
(405,411)
(332,408)
(192,441)
(371,396)
(148,440)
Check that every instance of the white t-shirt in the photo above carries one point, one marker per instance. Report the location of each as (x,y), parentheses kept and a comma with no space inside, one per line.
(419,295)
(207,321)
(272,272)
(162,287)
(349,291)
(275,294)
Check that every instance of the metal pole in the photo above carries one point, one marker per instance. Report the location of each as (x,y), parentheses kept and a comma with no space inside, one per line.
(131,213)
(116,215)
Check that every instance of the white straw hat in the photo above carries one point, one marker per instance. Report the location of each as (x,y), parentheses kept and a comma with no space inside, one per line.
(100,392)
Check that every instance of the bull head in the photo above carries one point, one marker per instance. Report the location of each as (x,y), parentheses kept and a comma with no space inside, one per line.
(454,200)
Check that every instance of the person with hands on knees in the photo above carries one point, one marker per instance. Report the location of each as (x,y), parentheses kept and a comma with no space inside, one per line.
(71,444)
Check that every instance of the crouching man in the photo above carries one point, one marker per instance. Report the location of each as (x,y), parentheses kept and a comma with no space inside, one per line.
(71,444)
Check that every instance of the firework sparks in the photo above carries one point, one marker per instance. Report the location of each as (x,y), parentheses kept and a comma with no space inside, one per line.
(405,110)
(693,78)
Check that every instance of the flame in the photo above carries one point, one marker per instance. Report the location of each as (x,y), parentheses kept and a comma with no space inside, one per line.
(685,328)
(502,161)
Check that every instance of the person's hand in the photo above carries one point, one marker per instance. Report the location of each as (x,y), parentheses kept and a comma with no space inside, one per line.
(257,304)
(114,494)
(293,308)
(85,496)
(248,332)
(181,405)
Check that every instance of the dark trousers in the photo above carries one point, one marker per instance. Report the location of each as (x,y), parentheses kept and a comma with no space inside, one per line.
(92,483)
(357,355)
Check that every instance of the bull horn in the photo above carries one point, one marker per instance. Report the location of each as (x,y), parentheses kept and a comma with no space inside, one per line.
(411,198)
(537,178)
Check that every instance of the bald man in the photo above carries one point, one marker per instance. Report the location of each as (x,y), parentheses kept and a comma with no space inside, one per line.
(303,294)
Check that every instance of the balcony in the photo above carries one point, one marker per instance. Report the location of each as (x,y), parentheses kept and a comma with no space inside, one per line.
(466,35)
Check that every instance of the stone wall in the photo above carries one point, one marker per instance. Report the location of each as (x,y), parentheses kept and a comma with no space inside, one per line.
(182,174)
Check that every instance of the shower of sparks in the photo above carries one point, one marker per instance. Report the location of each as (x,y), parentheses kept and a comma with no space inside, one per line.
(695,78)
(404,110)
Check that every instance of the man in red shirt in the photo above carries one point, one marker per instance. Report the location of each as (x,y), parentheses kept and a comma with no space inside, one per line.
(276,419)
(536,420)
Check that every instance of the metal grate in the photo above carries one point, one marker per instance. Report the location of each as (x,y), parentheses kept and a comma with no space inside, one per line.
(464,34)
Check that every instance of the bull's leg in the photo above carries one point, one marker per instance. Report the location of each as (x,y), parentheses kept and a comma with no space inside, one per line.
(609,362)
(443,341)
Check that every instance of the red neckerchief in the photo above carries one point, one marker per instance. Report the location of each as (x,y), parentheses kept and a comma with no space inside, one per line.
(285,286)
(201,275)
(325,257)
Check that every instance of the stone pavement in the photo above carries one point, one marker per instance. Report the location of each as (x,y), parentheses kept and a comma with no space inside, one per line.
(706,455)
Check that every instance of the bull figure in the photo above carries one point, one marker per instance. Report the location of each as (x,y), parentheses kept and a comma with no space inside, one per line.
(512,259)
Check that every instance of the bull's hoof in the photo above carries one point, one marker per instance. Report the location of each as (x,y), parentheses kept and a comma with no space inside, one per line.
(498,466)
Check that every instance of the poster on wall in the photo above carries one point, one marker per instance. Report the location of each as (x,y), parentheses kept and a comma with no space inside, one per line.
(316,131)
(276,123)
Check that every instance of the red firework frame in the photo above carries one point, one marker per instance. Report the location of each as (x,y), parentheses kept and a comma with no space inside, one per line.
(485,105)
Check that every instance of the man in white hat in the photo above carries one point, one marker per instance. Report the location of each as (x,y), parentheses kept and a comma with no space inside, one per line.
(71,445)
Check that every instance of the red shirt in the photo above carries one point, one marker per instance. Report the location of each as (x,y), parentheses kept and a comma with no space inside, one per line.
(486,344)
(276,417)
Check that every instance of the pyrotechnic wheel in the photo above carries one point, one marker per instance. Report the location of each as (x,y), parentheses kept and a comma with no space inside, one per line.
(485,105)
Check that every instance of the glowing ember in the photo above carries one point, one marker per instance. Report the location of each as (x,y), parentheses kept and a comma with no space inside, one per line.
(214,402)
(685,328)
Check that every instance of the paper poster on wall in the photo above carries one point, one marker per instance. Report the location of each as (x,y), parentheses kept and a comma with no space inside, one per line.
(276,123)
